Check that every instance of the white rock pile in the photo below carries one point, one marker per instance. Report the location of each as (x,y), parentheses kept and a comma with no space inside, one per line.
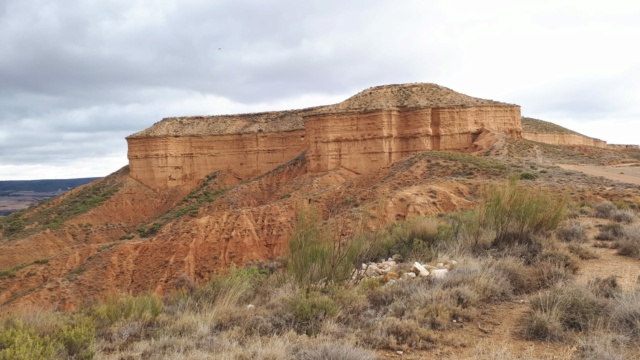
(391,270)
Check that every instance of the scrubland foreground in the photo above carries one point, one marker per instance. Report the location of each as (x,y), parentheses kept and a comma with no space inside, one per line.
(518,284)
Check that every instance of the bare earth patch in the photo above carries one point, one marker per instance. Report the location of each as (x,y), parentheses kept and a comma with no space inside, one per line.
(628,173)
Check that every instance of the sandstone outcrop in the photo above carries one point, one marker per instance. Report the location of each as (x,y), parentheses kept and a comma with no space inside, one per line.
(365,132)
(549,133)
(624,147)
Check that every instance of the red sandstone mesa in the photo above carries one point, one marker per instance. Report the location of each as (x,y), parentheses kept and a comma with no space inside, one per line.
(369,130)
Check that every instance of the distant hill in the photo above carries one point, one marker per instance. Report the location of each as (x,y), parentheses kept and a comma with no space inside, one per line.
(10,186)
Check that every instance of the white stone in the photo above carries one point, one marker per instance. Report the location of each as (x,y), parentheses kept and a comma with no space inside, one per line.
(421,270)
(440,265)
(390,282)
(439,273)
(410,274)
(251,307)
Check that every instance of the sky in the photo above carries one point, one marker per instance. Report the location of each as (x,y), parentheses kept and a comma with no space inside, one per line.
(78,76)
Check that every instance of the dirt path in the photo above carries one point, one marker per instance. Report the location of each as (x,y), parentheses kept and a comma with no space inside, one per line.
(628,173)
(626,269)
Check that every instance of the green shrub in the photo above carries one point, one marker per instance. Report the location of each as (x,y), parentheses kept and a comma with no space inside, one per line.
(18,342)
(77,336)
(13,227)
(142,307)
(318,257)
(418,238)
(528,176)
(310,311)
(235,287)
(516,213)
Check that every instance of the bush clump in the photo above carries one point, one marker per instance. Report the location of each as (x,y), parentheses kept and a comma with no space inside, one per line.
(142,307)
(516,213)
(611,231)
(572,231)
(18,342)
(605,209)
(623,216)
(629,245)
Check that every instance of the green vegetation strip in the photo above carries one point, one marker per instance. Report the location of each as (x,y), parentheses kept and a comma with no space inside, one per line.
(190,205)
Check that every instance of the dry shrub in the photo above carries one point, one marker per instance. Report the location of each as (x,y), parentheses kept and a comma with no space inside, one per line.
(395,334)
(623,216)
(605,209)
(542,326)
(602,346)
(481,277)
(520,276)
(559,258)
(629,245)
(611,231)
(547,274)
(625,315)
(572,307)
(604,287)
(582,252)
(336,351)
(572,231)
(310,310)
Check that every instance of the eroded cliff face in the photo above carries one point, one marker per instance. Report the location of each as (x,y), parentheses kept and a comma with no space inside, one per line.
(550,133)
(364,142)
(565,139)
(183,161)
(365,132)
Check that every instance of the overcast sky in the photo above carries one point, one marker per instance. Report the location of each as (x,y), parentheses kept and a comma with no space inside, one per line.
(77,76)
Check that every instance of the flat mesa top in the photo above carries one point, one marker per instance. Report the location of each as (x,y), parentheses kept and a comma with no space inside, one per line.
(535,126)
(386,97)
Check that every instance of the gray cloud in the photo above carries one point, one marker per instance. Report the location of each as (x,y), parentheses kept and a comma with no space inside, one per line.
(77,76)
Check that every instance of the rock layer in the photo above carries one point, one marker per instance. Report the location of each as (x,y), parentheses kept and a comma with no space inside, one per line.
(363,133)
(550,133)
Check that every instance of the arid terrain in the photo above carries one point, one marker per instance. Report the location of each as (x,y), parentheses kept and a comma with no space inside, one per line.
(530,249)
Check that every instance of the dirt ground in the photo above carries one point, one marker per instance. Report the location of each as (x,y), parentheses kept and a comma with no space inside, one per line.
(628,173)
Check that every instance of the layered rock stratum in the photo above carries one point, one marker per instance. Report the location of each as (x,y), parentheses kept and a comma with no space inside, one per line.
(365,132)
(550,133)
